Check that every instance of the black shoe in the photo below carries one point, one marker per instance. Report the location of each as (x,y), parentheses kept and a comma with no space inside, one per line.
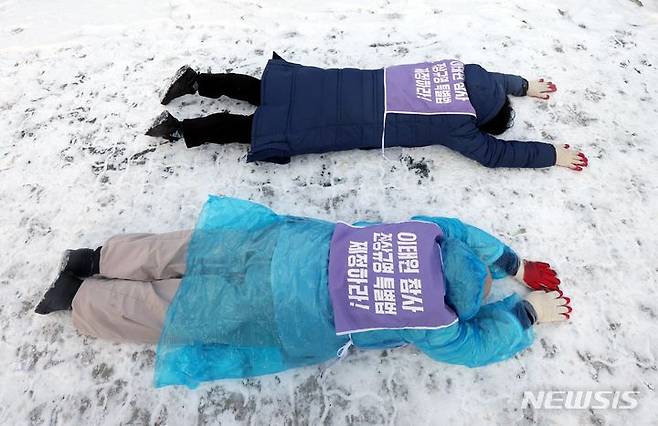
(183,83)
(81,263)
(166,126)
(59,296)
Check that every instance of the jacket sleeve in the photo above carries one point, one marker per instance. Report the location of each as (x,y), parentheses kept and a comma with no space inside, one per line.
(494,334)
(492,152)
(513,84)
(493,252)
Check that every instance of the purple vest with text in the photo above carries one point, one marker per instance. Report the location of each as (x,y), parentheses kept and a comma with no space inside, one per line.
(387,276)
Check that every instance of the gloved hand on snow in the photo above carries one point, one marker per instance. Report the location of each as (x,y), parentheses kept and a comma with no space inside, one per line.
(537,275)
(540,89)
(570,158)
(549,307)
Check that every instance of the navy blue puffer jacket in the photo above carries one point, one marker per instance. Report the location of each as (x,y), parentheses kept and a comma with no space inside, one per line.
(313,110)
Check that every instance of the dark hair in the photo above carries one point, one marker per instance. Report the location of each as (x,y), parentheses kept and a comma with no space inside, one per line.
(502,121)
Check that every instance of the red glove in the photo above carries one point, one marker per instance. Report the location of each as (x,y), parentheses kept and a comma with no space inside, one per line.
(538,275)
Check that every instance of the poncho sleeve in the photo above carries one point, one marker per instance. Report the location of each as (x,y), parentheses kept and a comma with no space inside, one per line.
(487,247)
(493,335)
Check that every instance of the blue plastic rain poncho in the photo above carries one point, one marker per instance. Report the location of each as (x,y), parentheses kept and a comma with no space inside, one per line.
(255,299)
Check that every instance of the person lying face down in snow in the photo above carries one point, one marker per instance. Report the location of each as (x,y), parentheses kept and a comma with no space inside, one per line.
(304,109)
(251,292)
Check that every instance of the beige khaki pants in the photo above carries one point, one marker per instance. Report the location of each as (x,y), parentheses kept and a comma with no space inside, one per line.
(139,277)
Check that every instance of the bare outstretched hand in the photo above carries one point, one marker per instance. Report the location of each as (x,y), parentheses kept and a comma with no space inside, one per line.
(570,158)
(540,88)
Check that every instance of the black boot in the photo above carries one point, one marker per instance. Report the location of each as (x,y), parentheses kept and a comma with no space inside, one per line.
(81,263)
(183,83)
(59,296)
(166,126)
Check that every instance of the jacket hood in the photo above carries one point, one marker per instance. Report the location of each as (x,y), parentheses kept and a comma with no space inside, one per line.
(487,96)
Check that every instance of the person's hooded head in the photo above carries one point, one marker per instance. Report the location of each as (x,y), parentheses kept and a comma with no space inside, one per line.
(491,103)
(467,278)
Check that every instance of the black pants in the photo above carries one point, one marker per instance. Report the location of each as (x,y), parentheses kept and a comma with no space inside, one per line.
(223,127)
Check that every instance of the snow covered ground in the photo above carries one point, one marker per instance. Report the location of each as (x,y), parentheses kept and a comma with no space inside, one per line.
(78,87)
